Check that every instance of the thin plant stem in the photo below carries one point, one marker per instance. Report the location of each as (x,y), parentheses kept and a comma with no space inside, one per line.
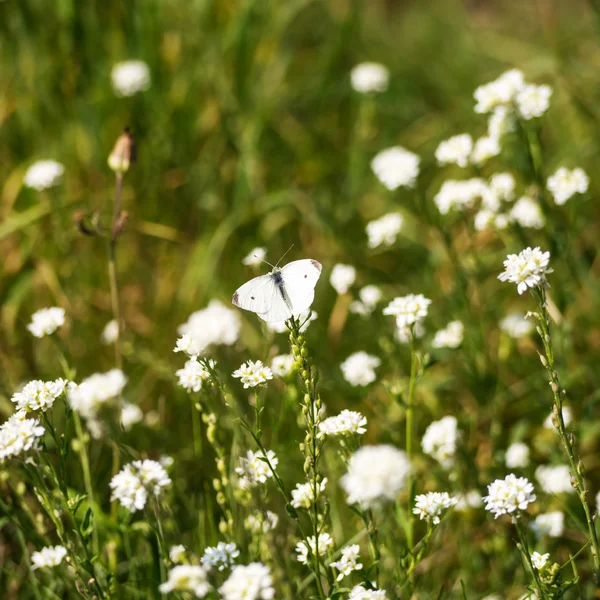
(409,439)
(527,554)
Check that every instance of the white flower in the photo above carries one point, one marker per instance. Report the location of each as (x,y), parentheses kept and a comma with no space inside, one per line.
(261,522)
(539,560)
(527,269)
(50,556)
(533,100)
(342,277)
(527,213)
(252,374)
(516,326)
(433,505)
(18,434)
(43,175)
(385,230)
(39,395)
(565,183)
(499,92)
(455,150)
(359,369)
(254,469)
(304,494)
(408,309)
(110,332)
(186,578)
(214,325)
(325,544)
(177,553)
(554,479)
(369,77)
(360,593)
(484,149)
(130,77)
(282,365)
(348,561)
(396,167)
(255,258)
(449,337)
(376,474)
(440,439)
(193,374)
(567,416)
(187,345)
(503,186)
(509,495)
(130,415)
(133,484)
(222,556)
(46,321)
(405,333)
(248,582)
(500,122)
(551,524)
(369,296)
(467,500)
(517,456)
(348,422)
(460,195)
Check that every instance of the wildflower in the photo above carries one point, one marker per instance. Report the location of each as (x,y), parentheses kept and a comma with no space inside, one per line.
(533,100)
(554,479)
(369,77)
(567,416)
(359,369)
(133,484)
(396,167)
(214,325)
(433,505)
(252,374)
(130,415)
(551,524)
(110,332)
(39,395)
(222,556)
(449,337)
(440,439)
(564,184)
(325,544)
(470,499)
(193,375)
(503,186)
(517,456)
(348,561)
(408,310)
(539,560)
(18,435)
(342,277)
(348,422)
(516,326)
(455,150)
(187,345)
(527,213)
(123,154)
(369,296)
(499,92)
(282,365)
(304,494)
(254,469)
(360,593)
(43,175)
(248,582)
(460,195)
(255,258)
(406,333)
(509,495)
(130,77)
(385,230)
(376,474)
(484,149)
(46,321)
(500,122)
(186,578)
(50,556)
(177,553)
(527,269)
(261,522)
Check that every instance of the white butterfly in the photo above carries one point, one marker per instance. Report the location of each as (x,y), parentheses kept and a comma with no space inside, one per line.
(282,293)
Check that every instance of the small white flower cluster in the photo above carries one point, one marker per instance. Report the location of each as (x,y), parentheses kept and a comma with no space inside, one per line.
(282,365)
(463,194)
(440,440)
(252,374)
(348,562)
(551,524)
(358,592)
(539,561)
(517,456)
(130,77)
(186,578)
(261,522)
(456,150)
(404,334)
(369,77)
(222,556)
(408,310)
(255,257)
(450,337)
(348,422)
(554,479)
(39,395)
(325,544)
(50,556)
(110,332)
(254,470)
(376,474)
(564,184)
(130,415)
(193,374)
(342,277)
(516,326)
(370,295)
(43,175)
(359,369)
(46,321)
(248,582)
(396,167)
(304,494)
(433,505)
(19,434)
(384,231)
(467,500)
(509,495)
(177,554)
(133,484)
(527,269)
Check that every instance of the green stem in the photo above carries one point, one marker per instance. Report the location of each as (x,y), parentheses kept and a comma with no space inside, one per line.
(525,551)
(409,439)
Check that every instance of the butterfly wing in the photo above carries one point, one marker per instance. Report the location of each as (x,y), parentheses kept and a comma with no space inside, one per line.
(300,278)
(255,295)
(278,310)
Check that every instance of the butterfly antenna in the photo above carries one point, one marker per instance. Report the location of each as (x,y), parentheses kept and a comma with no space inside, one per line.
(265,261)
(284,255)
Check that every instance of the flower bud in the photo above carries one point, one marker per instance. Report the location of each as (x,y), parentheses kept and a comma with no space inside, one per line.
(123,154)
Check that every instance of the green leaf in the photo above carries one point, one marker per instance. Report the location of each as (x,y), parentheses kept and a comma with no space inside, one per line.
(88,523)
